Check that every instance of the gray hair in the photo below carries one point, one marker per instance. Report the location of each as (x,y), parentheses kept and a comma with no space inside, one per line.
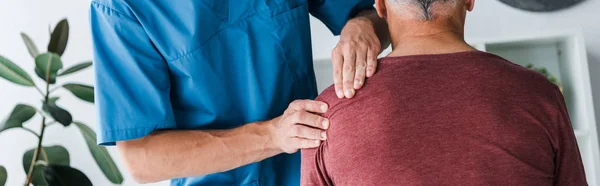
(424,6)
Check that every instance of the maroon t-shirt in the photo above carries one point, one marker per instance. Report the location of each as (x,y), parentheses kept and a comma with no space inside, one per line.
(469,118)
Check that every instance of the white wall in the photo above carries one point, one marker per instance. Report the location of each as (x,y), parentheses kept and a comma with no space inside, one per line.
(490,19)
(33,18)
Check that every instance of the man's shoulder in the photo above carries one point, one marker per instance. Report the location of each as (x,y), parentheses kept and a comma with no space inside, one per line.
(512,75)
(328,95)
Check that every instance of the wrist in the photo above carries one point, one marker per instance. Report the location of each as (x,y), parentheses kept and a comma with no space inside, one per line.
(267,132)
(361,21)
(368,16)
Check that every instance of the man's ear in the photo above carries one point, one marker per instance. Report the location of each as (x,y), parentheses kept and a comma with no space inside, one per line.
(381,9)
(470,4)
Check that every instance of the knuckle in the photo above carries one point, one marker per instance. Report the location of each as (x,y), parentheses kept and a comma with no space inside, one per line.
(286,121)
(298,116)
(295,103)
(348,68)
(336,49)
(353,43)
(337,81)
(316,133)
(361,64)
(294,117)
(348,82)
(297,130)
(376,48)
(337,72)
(348,45)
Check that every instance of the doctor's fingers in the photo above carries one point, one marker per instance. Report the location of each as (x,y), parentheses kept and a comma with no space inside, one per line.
(308,119)
(349,69)
(372,59)
(302,143)
(337,59)
(303,131)
(307,105)
(361,67)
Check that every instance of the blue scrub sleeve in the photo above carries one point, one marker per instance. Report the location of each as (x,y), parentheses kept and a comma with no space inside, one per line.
(335,13)
(132,78)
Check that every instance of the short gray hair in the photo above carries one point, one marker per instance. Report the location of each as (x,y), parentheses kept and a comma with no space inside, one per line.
(425,6)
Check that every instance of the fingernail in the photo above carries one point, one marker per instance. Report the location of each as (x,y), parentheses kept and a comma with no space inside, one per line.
(318,142)
(325,123)
(349,93)
(369,72)
(323,108)
(340,94)
(324,135)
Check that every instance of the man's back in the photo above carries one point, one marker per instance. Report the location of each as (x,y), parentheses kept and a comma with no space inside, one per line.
(468,118)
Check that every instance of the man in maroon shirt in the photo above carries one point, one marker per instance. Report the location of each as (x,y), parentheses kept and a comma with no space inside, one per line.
(438,112)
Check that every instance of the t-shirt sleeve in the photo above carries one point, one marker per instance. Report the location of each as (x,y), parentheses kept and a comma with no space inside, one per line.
(568,164)
(132,78)
(313,172)
(335,13)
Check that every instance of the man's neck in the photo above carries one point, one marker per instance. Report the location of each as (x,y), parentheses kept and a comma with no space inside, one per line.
(427,40)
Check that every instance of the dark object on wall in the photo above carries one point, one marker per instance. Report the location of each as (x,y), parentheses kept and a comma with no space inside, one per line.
(541,5)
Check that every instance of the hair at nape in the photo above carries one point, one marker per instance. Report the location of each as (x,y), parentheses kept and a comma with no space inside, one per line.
(425,7)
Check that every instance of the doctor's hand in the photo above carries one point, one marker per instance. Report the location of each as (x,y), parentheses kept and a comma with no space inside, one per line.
(299,127)
(355,57)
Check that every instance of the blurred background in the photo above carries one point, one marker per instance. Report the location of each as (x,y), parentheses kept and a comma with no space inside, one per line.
(490,21)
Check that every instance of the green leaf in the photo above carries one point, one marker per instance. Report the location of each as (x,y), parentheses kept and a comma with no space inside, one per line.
(83,92)
(33,51)
(14,73)
(100,154)
(53,99)
(47,65)
(3,176)
(59,175)
(43,76)
(76,68)
(59,114)
(37,178)
(20,114)
(59,38)
(57,155)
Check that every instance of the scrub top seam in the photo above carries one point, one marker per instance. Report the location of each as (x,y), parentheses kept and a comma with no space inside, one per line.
(137,128)
(115,11)
(237,22)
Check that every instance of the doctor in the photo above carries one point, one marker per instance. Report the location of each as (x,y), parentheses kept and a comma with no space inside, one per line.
(214,92)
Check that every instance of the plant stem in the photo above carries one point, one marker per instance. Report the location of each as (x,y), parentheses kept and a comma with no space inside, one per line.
(40,137)
(50,123)
(35,154)
(55,88)
(40,91)
(45,155)
(31,131)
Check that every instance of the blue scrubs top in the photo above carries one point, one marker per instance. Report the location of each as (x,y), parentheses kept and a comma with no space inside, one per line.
(207,64)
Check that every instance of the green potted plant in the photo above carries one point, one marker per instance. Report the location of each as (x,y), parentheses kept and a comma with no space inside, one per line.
(548,75)
(49,165)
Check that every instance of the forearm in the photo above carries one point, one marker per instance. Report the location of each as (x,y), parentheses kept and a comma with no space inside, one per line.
(370,18)
(172,154)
